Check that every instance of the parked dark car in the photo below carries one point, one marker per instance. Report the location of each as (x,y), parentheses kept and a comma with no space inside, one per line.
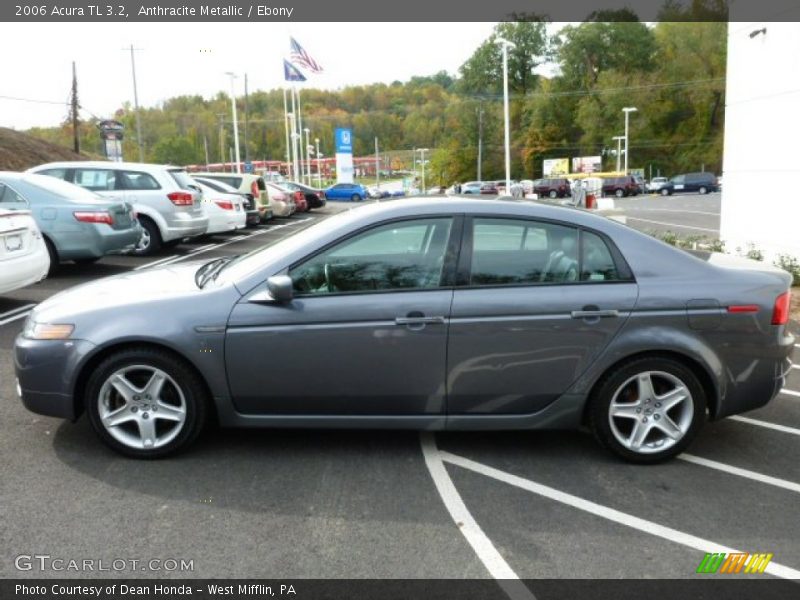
(314,198)
(552,187)
(702,183)
(489,187)
(621,186)
(423,314)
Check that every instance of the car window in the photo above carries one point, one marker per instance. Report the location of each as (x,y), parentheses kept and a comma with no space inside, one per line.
(9,195)
(57,173)
(597,263)
(135,180)
(182,178)
(679,179)
(508,251)
(97,180)
(396,256)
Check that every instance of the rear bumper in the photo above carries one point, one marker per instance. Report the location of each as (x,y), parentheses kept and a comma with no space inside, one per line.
(23,271)
(185,225)
(96,241)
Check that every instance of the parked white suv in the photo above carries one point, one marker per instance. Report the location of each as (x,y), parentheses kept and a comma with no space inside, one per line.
(168,203)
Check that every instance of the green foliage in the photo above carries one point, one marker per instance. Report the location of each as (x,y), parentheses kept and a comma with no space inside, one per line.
(791,265)
(754,253)
(175,151)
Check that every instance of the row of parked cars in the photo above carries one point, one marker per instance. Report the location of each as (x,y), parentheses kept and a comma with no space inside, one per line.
(83,210)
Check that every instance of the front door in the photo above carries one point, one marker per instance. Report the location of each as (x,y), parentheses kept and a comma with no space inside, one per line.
(540,302)
(365,334)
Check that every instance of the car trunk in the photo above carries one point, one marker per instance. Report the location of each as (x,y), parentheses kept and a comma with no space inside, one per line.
(16,234)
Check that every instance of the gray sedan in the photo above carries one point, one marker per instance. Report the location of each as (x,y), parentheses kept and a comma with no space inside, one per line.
(428,314)
(76,223)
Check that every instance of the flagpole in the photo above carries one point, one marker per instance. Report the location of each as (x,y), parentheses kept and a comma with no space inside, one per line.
(300,132)
(286,129)
(294,133)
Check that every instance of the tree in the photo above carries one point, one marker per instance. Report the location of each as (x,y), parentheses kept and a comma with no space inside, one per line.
(175,151)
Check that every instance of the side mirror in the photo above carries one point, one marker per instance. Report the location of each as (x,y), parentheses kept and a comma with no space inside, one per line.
(281,288)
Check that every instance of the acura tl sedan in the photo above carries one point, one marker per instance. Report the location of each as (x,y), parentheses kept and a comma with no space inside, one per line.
(429,314)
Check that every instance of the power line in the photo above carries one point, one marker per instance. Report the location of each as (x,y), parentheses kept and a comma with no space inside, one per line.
(16,98)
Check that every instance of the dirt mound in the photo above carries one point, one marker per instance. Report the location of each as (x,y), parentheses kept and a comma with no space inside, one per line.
(20,151)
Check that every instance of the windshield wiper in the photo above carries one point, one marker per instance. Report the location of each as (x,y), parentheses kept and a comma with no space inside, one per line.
(210,269)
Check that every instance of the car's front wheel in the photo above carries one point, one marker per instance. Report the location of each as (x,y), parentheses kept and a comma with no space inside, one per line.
(145,403)
(664,192)
(553,194)
(648,410)
(619,193)
(703,190)
(355,198)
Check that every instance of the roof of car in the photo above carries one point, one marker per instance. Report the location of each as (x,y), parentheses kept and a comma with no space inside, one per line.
(104,164)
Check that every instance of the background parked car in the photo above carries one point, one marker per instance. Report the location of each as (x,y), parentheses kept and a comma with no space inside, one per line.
(281,200)
(23,255)
(620,186)
(167,203)
(489,188)
(347,191)
(702,183)
(76,223)
(471,187)
(253,186)
(656,183)
(252,217)
(315,198)
(225,210)
(557,187)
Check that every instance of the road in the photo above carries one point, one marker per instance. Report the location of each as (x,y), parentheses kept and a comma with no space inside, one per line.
(341,504)
(688,215)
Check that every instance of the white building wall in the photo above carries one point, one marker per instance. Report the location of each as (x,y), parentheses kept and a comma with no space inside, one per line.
(761,164)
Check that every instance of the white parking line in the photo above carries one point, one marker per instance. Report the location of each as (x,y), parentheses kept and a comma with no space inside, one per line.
(8,313)
(481,545)
(766,424)
(674,210)
(667,533)
(790,393)
(15,317)
(715,231)
(712,464)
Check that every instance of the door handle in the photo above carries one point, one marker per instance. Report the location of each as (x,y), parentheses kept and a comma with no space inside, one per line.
(419,320)
(594,314)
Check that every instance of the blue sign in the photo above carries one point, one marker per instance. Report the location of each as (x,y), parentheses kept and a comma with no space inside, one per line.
(248,167)
(344,141)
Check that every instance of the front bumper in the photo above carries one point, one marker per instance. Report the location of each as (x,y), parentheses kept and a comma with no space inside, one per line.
(46,372)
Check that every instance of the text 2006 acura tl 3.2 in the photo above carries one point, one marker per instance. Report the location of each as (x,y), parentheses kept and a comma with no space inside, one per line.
(429,314)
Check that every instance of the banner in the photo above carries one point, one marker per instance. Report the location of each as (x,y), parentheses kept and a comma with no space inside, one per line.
(587,164)
(344,155)
(554,167)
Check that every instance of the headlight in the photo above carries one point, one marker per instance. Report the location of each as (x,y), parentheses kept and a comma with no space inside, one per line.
(47,331)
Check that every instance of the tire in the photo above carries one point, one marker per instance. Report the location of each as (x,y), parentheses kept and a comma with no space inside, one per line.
(355,198)
(53,254)
(181,406)
(641,418)
(619,193)
(703,190)
(150,242)
(553,194)
(664,192)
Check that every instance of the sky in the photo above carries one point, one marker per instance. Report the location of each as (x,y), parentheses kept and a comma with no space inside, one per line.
(192,58)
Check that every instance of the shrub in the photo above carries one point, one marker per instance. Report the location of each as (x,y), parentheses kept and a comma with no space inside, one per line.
(790,264)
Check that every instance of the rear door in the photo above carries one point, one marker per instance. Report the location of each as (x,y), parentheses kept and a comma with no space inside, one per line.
(536,305)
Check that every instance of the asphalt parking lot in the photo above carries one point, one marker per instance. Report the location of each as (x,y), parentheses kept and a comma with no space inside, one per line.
(342,504)
(688,215)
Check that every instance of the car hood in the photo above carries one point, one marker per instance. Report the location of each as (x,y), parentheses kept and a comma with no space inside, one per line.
(131,288)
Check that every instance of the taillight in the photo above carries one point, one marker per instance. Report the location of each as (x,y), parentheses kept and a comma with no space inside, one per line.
(224,204)
(780,312)
(254,189)
(181,198)
(94,217)
(743,308)
(299,197)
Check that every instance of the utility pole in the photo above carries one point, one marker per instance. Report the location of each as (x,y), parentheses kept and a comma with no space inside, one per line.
(136,108)
(221,117)
(246,149)
(76,142)
(205,147)
(377,165)
(235,122)
(506,45)
(480,138)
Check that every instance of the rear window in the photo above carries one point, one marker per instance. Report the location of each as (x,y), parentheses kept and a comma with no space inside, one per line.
(135,180)
(219,186)
(182,178)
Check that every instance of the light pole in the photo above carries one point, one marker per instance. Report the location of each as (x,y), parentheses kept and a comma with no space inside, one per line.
(422,160)
(235,123)
(619,139)
(627,110)
(317,154)
(308,162)
(506,45)
(294,137)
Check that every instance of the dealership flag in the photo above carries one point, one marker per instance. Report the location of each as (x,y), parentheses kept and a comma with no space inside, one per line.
(298,54)
(292,73)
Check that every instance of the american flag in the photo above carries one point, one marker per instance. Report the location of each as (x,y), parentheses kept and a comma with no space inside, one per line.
(300,57)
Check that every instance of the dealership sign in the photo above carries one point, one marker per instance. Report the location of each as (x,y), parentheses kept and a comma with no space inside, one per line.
(344,155)
(553,167)
(587,164)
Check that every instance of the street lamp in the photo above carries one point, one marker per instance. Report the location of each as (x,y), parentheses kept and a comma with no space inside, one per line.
(619,139)
(506,45)
(308,162)
(294,136)
(318,155)
(422,160)
(627,110)
(235,122)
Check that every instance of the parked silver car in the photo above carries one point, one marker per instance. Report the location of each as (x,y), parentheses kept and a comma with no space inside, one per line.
(166,201)
(76,224)
(430,314)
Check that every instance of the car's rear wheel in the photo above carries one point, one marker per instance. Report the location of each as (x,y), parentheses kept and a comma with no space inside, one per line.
(664,192)
(703,190)
(648,410)
(553,194)
(150,242)
(619,193)
(355,198)
(145,403)
(53,254)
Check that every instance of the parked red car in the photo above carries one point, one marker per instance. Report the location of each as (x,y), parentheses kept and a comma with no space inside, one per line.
(300,201)
(490,187)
